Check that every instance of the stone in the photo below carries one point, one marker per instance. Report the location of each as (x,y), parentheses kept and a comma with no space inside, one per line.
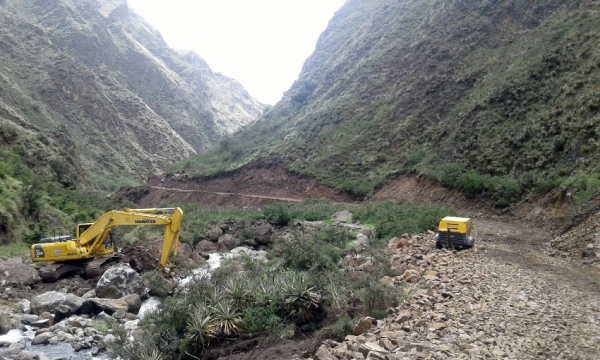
(43,323)
(362,240)
(96,306)
(138,334)
(49,301)
(214,233)
(41,339)
(14,349)
(119,281)
(45,316)
(24,306)
(30,355)
(89,294)
(205,246)
(134,302)
(363,325)
(263,234)
(343,216)
(131,325)
(5,323)
(105,317)
(227,241)
(15,272)
(119,314)
(28,319)
(324,353)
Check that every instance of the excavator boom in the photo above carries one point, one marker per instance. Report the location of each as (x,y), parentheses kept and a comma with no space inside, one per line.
(89,250)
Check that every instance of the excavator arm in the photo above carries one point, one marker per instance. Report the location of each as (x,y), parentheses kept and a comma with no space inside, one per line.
(91,242)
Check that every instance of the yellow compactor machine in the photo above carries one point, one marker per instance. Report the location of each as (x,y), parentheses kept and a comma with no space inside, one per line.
(92,247)
(454,233)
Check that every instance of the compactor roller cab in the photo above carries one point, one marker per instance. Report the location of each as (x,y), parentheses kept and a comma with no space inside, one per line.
(454,233)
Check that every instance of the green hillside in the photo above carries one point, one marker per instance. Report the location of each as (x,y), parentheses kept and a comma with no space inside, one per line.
(493,97)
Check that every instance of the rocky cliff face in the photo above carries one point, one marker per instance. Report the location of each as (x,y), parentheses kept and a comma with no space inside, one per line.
(104,78)
(498,89)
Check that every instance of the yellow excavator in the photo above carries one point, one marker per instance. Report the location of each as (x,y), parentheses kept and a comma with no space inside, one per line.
(89,251)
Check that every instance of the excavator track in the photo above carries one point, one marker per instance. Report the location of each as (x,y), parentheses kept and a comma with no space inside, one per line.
(54,271)
(91,268)
(98,266)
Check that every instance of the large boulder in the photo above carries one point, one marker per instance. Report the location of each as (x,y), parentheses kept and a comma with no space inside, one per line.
(227,241)
(51,300)
(5,323)
(206,246)
(118,281)
(134,302)
(14,272)
(214,234)
(263,234)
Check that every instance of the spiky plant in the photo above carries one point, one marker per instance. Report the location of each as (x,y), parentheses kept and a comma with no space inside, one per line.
(200,326)
(213,296)
(228,321)
(239,289)
(300,299)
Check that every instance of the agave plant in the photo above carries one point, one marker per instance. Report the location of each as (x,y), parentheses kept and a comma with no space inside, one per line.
(200,326)
(213,296)
(239,290)
(228,320)
(300,299)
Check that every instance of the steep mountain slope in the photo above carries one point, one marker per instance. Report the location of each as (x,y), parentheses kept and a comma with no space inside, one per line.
(100,75)
(495,97)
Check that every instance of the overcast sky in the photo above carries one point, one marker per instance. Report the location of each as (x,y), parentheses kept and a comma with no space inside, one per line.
(260,43)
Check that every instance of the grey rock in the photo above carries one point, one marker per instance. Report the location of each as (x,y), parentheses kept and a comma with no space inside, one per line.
(120,314)
(24,306)
(41,339)
(43,323)
(5,323)
(14,348)
(14,272)
(206,246)
(107,305)
(28,318)
(214,234)
(118,281)
(134,302)
(90,294)
(344,215)
(105,317)
(50,301)
(30,355)
(263,234)
(227,241)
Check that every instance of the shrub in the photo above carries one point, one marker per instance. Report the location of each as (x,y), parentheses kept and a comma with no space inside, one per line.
(342,327)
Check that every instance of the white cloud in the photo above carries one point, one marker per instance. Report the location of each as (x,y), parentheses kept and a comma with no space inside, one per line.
(260,43)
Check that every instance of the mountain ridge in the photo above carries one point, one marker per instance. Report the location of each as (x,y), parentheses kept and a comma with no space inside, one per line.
(131,104)
(462,92)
